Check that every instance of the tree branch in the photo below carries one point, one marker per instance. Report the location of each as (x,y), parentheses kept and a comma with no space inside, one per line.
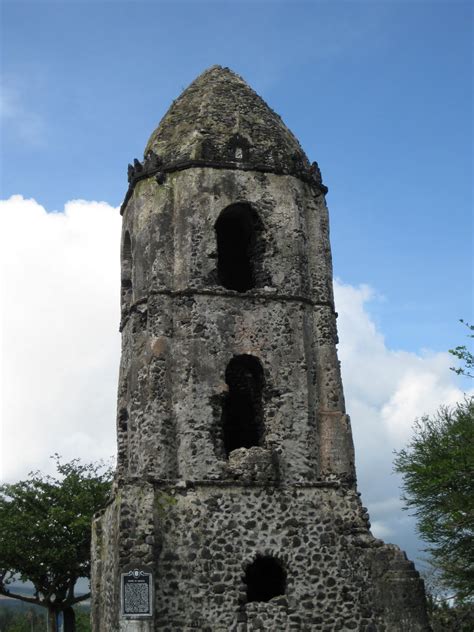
(79,598)
(35,600)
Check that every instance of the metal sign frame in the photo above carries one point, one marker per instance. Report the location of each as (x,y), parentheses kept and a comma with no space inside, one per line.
(136,576)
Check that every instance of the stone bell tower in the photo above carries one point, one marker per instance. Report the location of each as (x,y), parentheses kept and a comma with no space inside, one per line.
(235,505)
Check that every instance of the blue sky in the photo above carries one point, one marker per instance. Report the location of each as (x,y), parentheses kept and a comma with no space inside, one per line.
(379,93)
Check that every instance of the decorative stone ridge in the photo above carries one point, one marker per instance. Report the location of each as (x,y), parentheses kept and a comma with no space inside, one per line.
(154,166)
(235,505)
(220,122)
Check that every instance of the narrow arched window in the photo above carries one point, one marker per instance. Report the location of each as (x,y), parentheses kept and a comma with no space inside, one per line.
(127,261)
(236,241)
(242,413)
(265,579)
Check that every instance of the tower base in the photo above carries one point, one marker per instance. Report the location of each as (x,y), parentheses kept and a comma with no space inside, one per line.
(200,539)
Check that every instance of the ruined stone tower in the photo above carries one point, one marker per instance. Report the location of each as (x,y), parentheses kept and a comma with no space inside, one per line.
(235,505)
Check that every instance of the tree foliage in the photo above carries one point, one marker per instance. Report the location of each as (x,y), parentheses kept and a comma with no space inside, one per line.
(15,620)
(45,532)
(33,619)
(446,616)
(438,484)
(464,354)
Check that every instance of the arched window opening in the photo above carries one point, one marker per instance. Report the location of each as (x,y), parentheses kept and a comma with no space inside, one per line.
(236,247)
(127,247)
(265,579)
(127,261)
(242,413)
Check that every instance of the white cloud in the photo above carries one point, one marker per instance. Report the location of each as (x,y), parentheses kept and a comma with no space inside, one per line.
(419,390)
(60,307)
(381,530)
(61,353)
(386,390)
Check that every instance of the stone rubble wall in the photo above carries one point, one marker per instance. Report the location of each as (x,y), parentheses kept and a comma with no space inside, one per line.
(123,534)
(186,505)
(196,516)
(338,576)
(105,569)
(171,226)
(180,330)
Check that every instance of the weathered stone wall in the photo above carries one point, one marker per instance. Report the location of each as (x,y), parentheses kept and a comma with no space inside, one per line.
(196,508)
(184,328)
(173,240)
(123,534)
(105,567)
(293,496)
(338,576)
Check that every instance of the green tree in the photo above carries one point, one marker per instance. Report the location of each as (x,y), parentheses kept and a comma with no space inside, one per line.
(45,533)
(6,617)
(464,354)
(83,623)
(28,619)
(450,617)
(438,484)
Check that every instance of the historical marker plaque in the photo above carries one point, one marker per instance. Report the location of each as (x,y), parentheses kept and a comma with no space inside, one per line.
(137,593)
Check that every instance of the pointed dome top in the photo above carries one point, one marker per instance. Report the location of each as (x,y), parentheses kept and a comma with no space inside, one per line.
(220,119)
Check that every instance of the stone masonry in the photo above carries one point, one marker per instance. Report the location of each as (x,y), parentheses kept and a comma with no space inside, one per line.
(235,487)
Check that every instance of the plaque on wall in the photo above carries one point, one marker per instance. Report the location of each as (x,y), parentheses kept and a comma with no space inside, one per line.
(137,592)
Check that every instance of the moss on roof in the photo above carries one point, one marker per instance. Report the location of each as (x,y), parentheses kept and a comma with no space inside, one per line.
(220,118)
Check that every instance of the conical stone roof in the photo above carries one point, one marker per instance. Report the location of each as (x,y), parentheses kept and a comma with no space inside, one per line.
(220,119)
